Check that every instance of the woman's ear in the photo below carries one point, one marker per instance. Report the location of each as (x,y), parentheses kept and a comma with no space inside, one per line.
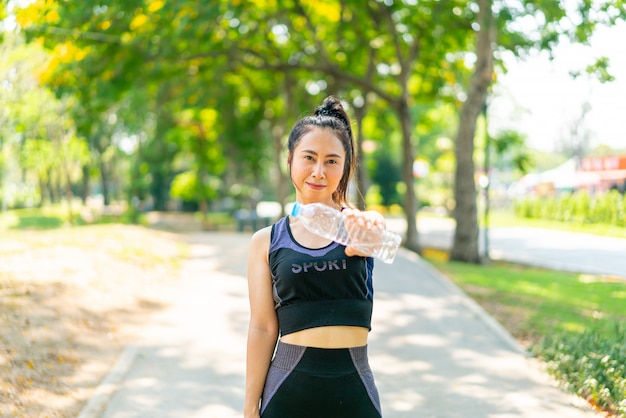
(289,159)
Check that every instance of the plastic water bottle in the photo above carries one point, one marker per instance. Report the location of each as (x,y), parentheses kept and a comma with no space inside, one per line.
(328,222)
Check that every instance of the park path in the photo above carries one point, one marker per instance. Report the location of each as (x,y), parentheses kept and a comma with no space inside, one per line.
(434,352)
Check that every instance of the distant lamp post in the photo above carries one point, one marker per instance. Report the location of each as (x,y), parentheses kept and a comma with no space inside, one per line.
(484,183)
(420,170)
(3,175)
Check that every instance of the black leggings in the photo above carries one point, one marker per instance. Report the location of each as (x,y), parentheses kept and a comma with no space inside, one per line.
(306,382)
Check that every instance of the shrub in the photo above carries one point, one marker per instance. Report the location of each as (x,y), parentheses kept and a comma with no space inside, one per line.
(578,207)
(593,364)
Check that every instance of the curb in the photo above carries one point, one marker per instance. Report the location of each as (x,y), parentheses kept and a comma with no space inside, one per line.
(97,403)
(469,303)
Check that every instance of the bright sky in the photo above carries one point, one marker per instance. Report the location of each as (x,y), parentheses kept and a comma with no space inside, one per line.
(540,99)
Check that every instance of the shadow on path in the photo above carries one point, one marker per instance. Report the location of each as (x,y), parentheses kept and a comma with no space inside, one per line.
(433,352)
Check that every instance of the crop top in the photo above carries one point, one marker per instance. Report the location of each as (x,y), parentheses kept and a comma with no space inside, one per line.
(318,287)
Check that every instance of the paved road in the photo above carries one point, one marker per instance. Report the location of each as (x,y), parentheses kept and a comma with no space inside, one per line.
(435,353)
(559,250)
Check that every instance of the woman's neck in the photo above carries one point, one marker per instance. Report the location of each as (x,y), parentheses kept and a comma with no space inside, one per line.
(330,203)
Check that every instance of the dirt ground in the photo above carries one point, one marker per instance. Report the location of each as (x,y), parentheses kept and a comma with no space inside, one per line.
(70,300)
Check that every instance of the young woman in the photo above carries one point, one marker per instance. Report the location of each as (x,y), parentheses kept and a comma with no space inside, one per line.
(311,295)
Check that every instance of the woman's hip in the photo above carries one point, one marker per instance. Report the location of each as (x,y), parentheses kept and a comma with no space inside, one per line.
(306,381)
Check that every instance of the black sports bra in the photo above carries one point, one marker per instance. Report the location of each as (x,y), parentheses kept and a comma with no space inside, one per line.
(318,287)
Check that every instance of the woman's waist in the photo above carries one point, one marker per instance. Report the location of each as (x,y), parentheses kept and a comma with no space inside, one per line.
(332,336)
(305,315)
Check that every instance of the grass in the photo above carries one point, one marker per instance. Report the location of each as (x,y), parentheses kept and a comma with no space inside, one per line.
(48,218)
(572,322)
(537,302)
(58,216)
(508,218)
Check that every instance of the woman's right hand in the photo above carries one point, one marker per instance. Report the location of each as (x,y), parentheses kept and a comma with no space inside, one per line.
(365,231)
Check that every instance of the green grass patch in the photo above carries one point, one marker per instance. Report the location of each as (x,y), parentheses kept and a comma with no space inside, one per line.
(58,216)
(571,321)
(46,218)
(508,218)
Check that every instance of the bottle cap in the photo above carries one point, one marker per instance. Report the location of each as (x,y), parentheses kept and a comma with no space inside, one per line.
(297,208)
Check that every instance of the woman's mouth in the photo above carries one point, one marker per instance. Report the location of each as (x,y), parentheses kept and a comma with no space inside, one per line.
(316,186)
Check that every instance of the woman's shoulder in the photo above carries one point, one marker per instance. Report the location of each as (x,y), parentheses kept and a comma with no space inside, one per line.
(260,244)
(261,236)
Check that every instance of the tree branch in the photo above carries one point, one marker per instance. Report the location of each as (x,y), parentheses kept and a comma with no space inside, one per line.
(333,71)
(320,46)
(75,33)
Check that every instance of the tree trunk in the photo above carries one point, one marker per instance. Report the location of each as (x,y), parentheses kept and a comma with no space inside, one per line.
(361,172)
(465,247)
(410,198)
(54,188)
(85,185)
(69,196)
(104,180)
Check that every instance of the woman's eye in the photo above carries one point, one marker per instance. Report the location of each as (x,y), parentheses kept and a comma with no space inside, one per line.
(332,162)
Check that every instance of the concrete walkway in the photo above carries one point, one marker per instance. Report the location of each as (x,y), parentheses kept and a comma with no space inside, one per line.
(433,351)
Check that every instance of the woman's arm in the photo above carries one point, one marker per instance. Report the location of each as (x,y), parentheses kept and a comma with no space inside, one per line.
(263,327)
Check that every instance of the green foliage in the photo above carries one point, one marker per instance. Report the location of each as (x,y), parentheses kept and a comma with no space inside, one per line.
(386,174)
(510,147)
(38,222)
(184,186)
(57,216)
(35,219)
(591,363)
(187,187)
(136,69)
(573,322)
(578,207)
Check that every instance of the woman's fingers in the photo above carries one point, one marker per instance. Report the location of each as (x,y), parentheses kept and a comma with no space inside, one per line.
(364,230)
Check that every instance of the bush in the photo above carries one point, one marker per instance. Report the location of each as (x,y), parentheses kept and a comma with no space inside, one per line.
(593,364)
(578,207)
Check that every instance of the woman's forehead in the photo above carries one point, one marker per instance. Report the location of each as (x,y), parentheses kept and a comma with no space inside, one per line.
(321,139)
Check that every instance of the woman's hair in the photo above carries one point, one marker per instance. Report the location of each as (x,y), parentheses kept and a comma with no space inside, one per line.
(330,115)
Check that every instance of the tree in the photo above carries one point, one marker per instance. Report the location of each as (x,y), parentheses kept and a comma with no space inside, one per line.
(404,56)
(553,23)
(465,245)
(390,50)
(3,15)
(41,132)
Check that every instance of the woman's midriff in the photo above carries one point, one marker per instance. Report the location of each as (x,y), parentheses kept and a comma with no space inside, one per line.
(328,337)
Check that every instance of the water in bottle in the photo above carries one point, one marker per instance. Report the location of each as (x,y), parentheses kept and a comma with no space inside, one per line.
(328,222)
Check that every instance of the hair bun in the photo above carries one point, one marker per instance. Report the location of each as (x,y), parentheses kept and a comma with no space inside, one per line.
(332,107)
(325,111)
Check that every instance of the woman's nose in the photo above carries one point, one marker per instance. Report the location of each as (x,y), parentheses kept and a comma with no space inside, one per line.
(318,171)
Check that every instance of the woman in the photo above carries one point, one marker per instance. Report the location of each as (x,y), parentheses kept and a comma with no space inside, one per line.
(315,294)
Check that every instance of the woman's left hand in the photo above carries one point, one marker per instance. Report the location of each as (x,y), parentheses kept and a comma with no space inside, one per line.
(367,225)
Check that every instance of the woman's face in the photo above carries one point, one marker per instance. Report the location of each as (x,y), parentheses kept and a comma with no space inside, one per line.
(317,166)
